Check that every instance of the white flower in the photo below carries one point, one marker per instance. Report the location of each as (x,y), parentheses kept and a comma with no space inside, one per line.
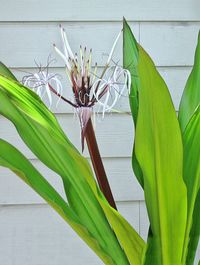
(40,83)
(117,80)
(88,88)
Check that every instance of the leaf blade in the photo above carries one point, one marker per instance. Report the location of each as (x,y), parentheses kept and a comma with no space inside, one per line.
(191,177)
(42,134)
(130,63)
(4,70)
(40,131)
(158,141)
(11,158)
(191,94)
(158,149)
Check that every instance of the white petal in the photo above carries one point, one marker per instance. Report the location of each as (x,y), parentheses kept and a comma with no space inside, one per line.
(113,48)
(48,94)
(68,46)
(63,57)
(105,106)
(63,40)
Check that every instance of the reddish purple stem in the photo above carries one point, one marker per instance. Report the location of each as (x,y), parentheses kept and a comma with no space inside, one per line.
(98,164)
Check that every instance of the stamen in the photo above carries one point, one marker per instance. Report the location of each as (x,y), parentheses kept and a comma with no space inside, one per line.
(90,60)
(62,56)
(68,74)
(82,65)
(67,45)
(84,57)
(85,53)
(94,73)
(76,61)
(63,40)
(87,69)
(81,55)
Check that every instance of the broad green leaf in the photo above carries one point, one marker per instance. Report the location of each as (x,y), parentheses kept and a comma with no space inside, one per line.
(191,175)
(130,62)
(6,72)
(40,131)
(11,158)
(191,95)
(158,149)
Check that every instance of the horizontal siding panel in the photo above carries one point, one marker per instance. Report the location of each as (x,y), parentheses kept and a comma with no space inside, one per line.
(112,142)
(119,171)
(175,77)
(34,41)
(35,235)
(61,10)
(170,44)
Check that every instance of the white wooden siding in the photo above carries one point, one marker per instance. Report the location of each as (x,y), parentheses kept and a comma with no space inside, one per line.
(30,232)
(100,10)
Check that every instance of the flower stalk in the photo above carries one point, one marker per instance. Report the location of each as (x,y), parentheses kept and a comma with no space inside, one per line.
(98,164)
(88,90)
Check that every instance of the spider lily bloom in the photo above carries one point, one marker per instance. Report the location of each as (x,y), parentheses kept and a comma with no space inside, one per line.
(89,89)
(39,82)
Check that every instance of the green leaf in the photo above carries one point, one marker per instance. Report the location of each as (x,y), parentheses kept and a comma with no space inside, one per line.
(130,62)
(11,158)
(158,149)
(6,72)
(191,177)
(42,134)
(191,95)
(40,131)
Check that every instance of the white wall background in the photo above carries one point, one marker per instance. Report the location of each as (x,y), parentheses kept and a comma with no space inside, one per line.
(30,232)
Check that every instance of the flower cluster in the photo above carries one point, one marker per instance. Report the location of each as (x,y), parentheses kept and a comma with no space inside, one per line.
(88,86)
